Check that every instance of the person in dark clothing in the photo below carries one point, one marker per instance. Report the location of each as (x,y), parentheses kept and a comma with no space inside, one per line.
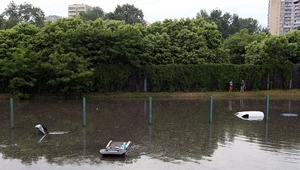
(243,86)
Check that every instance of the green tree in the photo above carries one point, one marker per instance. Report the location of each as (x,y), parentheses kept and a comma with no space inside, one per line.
(128,13)
(216,16)
(187,41)
(71,72)
(265,30)
(110,42)
(2,22)
(158,48)
(61,68)
(275,50)
(238,24)
(16,14)
(229,24)
(237,43)
(93,14)
(18,60)
(254,53)
(293,48)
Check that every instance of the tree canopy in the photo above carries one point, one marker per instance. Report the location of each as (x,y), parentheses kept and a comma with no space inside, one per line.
(186,41)
(237,43)
(229,24)
(93,14)
(128,13)
(15,14)
(69,54)
(275,49)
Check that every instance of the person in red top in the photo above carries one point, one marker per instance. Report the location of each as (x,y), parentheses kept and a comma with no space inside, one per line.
(230,86)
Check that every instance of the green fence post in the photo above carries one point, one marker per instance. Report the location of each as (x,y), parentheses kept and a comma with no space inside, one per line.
(84,112)
(267,107)
(150,110)
(210,109)
(11,113)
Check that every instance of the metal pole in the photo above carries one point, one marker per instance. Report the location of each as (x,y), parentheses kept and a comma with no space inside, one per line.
(210,109)
(84,112)
(150,110)
(11,113)
(267,107)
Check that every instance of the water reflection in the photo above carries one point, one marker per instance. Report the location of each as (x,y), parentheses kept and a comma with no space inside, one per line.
(42,138)
(266,131)
(150,140)
(84,141)
(241,104)
(180,132)
(12,143)
(230,104)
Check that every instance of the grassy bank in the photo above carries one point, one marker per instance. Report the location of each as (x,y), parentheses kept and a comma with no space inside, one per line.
(274,94)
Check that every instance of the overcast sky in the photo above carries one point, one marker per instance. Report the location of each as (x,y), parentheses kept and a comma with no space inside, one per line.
(158,10)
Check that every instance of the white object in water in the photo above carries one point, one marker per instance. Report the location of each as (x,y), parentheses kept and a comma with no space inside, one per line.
(42,138)
(250,115)
(289,114)
(41,129)
(57,133)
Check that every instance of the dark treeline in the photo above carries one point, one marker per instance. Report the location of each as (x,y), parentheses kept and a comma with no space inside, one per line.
(68,55)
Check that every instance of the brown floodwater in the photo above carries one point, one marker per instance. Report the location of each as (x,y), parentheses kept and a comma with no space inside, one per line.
(180,136)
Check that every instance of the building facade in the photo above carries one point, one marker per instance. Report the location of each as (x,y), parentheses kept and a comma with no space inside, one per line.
(76,9)
(283,16)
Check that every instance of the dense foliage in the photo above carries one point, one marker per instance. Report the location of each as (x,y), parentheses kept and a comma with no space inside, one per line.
(93,14)
(15,14)
(229,24)
(238,42)
(101,55)
(128,13)
(211,77)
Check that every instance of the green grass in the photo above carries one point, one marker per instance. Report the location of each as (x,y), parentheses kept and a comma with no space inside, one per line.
(274,94)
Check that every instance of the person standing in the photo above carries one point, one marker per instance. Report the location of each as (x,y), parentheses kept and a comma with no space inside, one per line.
(230,86)
(243,85)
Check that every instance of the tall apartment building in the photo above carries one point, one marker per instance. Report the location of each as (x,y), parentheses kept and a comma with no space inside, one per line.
(76,9)
(283,16)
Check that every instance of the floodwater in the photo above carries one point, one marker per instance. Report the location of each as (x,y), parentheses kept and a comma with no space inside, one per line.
(180,136)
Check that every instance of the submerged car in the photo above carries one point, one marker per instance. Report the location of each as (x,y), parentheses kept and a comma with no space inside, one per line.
(116,148)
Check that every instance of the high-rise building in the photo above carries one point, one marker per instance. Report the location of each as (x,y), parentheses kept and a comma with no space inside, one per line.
(76,9)
(283,16)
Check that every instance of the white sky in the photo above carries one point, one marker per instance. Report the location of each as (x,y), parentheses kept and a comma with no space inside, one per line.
(158,10)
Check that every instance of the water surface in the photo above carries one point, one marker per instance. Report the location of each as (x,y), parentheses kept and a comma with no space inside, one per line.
(180,136)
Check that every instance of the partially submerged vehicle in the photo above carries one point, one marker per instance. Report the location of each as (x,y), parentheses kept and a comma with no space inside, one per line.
(116,148)
(250,115)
